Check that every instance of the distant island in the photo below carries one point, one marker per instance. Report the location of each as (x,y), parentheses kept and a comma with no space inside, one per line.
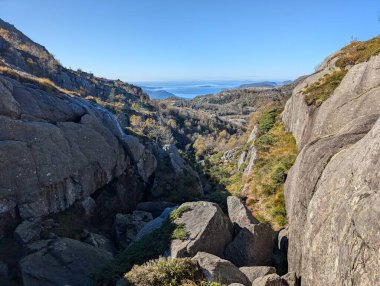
(268,84)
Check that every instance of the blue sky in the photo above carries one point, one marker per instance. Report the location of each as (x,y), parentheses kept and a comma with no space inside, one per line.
(193,39)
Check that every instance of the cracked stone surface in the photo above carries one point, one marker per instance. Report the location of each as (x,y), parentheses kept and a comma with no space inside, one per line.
(60,149)
(332,191)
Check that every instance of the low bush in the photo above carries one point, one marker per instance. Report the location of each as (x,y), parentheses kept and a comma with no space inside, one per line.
(165,272)
(267,120)
(151,246)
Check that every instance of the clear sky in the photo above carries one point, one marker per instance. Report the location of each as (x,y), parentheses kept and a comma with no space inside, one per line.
(136,40)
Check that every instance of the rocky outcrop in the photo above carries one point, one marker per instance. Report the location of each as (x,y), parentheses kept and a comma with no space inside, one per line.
(219,270)
(175,180)
(355,97)
(61,149)
(208,230)
(332,190)
(61,262)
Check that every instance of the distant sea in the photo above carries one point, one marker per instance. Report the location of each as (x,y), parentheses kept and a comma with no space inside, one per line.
(187,89)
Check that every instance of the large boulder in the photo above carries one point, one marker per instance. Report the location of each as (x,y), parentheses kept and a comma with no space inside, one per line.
(55,149)
(268,280)
(62,262)
(208,230)
(254,272)
(239,214)
(219,270)
(28,231)
(252,246)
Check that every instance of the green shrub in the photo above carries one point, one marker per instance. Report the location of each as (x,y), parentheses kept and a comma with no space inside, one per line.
(279,176)
(267,120)
(164,272)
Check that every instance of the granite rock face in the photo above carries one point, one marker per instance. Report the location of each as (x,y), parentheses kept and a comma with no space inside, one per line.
(61,148)
(331,192)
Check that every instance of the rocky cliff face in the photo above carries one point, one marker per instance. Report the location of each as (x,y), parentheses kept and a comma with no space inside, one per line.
(56,149)
(332,191)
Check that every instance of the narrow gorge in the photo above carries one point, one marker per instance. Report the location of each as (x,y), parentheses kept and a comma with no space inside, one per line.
(253,186)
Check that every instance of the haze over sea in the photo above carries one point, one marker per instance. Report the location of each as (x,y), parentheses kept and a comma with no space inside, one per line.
(190,89)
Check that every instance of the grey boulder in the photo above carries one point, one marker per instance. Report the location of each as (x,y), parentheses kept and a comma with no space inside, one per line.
(219,270)
(208,230)
(254,272)
(28,231)
(269,280)
(239,214)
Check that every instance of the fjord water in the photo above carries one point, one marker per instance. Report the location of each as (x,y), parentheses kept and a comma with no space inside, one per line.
(188,89)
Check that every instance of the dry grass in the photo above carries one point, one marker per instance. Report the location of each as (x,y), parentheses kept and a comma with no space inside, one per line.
(358,52)
(320,91)
(45,83)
